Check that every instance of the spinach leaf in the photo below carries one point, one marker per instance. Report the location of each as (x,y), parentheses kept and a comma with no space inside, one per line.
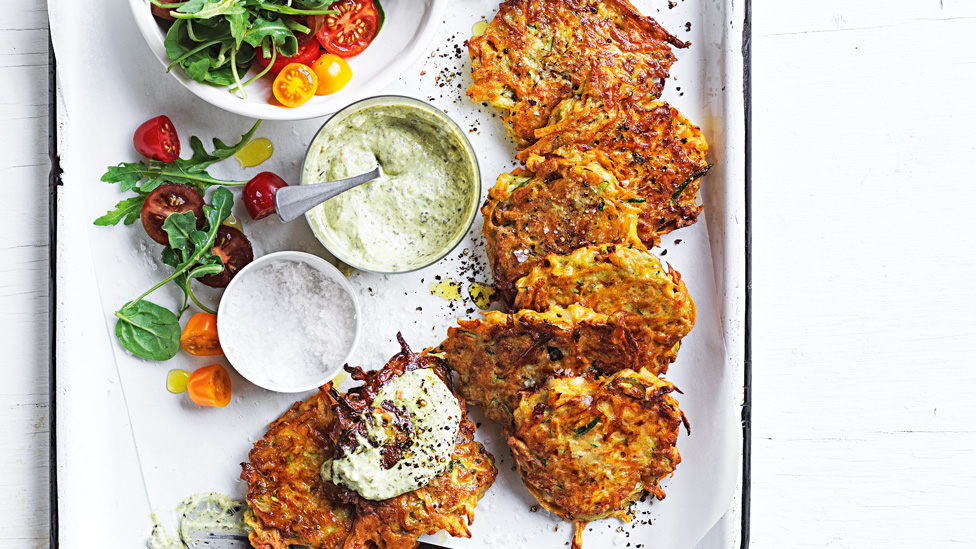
(126,211)
(148,330)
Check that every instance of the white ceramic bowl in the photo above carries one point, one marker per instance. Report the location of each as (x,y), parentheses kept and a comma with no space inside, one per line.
(406,34)
(258,374)
(333,243)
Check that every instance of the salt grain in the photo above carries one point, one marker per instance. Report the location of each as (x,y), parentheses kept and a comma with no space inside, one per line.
(290,323)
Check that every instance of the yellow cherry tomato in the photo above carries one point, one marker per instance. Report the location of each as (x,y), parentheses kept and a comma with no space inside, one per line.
(333,73)
(295,84)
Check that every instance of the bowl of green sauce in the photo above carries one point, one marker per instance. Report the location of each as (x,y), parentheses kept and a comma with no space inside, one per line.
(422,206)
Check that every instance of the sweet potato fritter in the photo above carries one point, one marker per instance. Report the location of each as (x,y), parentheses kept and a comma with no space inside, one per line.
(653,302)
(293,505)
(535,53)
(650,147)
(588,448)
(501,355)
(446,503)
(290,504)
(528,218)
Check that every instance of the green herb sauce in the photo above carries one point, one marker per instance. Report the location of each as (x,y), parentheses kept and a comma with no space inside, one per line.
(436,417)
(416,211)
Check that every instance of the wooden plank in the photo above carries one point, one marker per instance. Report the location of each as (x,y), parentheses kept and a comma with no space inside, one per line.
(24,416)
(864,311)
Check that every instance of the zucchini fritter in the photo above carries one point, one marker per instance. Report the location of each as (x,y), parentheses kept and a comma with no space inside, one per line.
(293,505)
(535,53)
(290,505)
(588,448)
(501,355)
(651,148)
(654,303)
(529,217)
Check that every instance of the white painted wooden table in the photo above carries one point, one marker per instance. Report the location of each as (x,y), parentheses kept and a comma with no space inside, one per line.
(864,313)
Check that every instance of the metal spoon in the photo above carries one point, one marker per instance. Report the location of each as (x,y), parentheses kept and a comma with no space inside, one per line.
(293,201)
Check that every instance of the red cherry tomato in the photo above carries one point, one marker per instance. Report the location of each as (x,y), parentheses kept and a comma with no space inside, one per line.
(169,199)
(259,194)
(157,139)
(350,31)
(307,53)
(234,250)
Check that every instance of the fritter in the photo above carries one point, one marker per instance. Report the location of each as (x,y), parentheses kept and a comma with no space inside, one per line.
(588,448)
(653,302)
(650,147)
(535,53)
(290,505)
(293,505)
(446,503)
(501,355)
(529,217)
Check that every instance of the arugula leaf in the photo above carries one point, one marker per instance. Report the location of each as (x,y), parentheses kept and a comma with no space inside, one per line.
(190,171)
(205,9)
(148,330)
(126,211)
(202,159)
(277,31)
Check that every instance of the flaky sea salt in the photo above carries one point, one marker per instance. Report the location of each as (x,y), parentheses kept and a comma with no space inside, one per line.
(288,323)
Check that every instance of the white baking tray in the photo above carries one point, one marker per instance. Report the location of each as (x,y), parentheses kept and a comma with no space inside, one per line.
(124,447)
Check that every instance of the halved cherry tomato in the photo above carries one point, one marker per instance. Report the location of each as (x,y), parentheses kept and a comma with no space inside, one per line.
(209,386)
(199,336)
(295,84)
(307,53)
(157,139)
(333,72)
(169,199)
(259,194)
(349,32)
(234,250)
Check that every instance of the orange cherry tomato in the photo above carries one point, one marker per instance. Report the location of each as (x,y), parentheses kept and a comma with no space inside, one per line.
(209,386)
(333,72)
(295,84)
(199,337)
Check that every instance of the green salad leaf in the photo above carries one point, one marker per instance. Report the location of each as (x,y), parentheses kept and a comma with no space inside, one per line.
(214,40)
(148,330)
(152,331)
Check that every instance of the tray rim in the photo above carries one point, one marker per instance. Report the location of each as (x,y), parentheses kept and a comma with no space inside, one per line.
(55,181)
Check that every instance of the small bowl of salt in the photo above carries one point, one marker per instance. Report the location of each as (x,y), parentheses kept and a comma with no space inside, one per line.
(289,321)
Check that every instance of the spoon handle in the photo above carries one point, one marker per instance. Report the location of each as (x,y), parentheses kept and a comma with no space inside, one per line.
(293,201)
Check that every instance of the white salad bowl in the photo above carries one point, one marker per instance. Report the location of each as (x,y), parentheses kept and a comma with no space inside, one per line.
(260,374)
(406,34)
